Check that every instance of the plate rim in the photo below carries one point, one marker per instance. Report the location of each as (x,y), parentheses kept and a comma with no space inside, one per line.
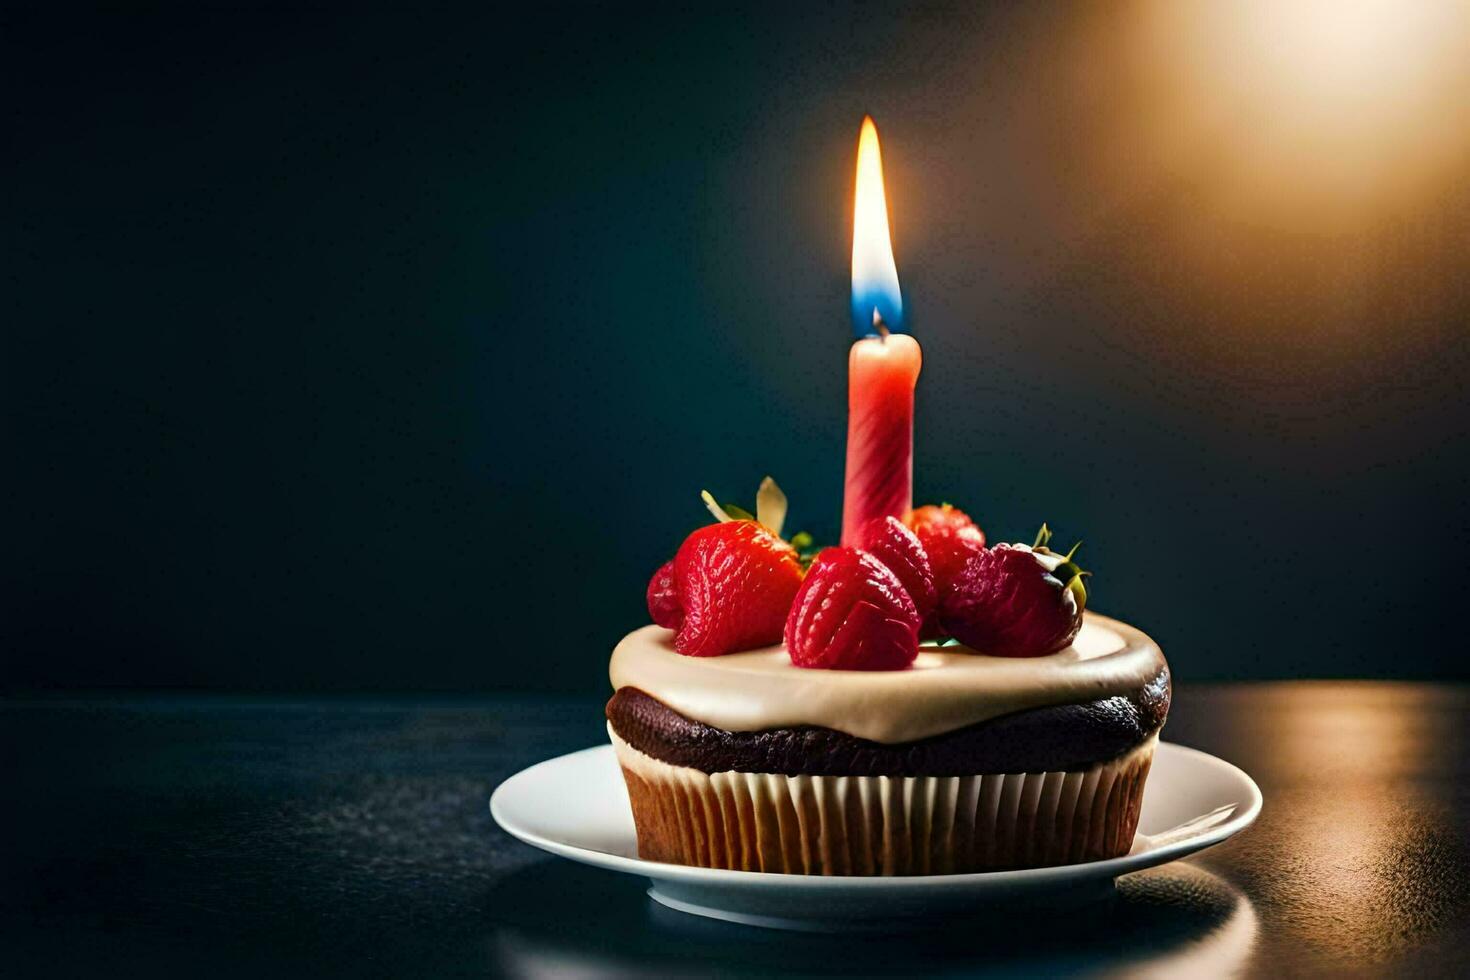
(662,871)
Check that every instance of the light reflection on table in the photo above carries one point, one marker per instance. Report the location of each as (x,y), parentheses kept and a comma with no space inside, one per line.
(1179,920)
(1361,845)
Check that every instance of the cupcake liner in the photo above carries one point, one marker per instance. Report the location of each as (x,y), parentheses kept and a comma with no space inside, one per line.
(883,825)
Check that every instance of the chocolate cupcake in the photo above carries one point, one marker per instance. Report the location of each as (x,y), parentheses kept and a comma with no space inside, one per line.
(962,762)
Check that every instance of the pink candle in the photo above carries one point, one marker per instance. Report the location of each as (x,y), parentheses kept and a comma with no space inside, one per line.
(881,374)
(883,366)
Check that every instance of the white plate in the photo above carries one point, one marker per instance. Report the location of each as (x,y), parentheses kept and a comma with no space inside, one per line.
(577,806)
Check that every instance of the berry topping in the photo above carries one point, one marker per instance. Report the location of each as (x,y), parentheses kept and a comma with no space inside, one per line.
(663,597)
(735,584)
(852,613)
(1015,601)
(949,538)
(887,540)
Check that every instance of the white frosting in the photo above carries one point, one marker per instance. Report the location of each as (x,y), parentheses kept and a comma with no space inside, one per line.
(946,689)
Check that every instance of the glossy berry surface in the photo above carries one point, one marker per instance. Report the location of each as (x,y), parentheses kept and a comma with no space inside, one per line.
(1006,603)
(663,597)
(852,613)
(735,583)
(949,538)
(889,541)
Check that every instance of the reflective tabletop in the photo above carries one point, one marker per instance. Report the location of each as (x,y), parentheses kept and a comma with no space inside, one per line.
(351,836)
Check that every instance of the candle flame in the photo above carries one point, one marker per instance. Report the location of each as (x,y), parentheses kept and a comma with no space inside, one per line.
(875,295)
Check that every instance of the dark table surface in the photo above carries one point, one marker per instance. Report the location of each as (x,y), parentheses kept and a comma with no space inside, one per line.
(277,837)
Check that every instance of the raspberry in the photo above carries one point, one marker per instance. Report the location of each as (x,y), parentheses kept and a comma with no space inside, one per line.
(852,613)
(887,540)
(949,538)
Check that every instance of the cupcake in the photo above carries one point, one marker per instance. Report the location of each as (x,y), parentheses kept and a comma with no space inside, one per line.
(784,715)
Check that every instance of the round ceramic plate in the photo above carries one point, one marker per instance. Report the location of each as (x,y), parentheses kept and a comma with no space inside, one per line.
(577,806)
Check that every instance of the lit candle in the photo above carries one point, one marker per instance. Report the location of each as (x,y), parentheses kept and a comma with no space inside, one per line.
(882,367)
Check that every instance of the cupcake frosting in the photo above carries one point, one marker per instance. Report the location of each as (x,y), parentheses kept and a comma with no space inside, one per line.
(945,689)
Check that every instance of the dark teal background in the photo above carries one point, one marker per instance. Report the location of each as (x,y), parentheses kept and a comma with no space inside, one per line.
(390,350)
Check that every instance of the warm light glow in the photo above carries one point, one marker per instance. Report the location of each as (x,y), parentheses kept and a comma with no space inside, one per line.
(1310,107)
(874,274)
(1335,49)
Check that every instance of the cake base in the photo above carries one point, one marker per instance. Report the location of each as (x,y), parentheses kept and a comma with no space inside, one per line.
(883,825)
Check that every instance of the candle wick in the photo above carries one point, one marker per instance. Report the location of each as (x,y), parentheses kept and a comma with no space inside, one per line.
(879,325)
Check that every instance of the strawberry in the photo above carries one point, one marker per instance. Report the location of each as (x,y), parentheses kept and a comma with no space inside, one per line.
(949,538)
(887,540)
(852,613)
(1015,601)
(735,583)
(663,597)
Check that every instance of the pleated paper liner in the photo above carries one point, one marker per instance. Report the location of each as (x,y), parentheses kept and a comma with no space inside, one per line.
(883,825)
